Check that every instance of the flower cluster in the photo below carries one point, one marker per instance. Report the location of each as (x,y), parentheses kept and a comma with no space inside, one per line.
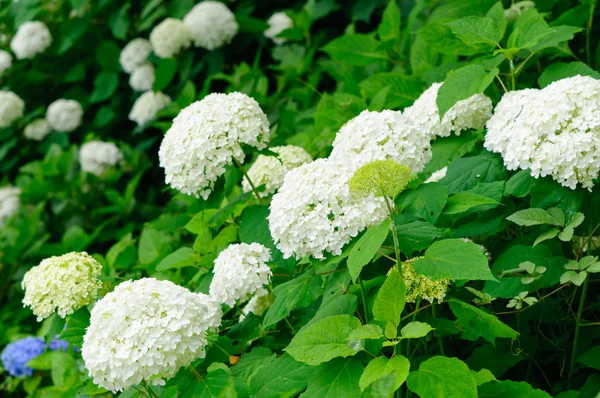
(380,178)
(240,271)
(62,284)
(12,108)
(145,331)
(421,287)
(5,61)
(9,203)
(16,355)
(64,115)
(554,131)
(31,39)
(211,24)
(135,54)
(146,107)
(96,157)
(258,304)
(142,78)
(37,130)
(278,22)
(270,170)
(206,136)
(314,210)
(170,37)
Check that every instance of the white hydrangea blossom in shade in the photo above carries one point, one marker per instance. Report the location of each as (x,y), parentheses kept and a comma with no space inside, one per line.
(278,22)
(212,24)
(142,78)
(552,132)
(146,107)
(314,211)
(37,130)
(5,61)
(270,170)
(385,135)
(135,54)
(31,39)
(471,113)
(64,115)
(516,9)
(61,284)
(437,175)
(206,136)
(9,203)
(258,304)
(240,271)
(12,108)
(169,38)
(145,331)
(96,157)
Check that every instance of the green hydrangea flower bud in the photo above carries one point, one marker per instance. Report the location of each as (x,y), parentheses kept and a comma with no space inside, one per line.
(381,178)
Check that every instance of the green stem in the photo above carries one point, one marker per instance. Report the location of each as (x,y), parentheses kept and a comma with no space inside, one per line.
(290,326)
(364,299)
(439,339)
(577,329)
(413,319)
(588,34)
(239,165)
(394,232)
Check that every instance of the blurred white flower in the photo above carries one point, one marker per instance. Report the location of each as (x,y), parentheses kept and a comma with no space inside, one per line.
(62,284)
(278,22)
(135,54)
(31,39)
(5,61)
(64,115)
(206,136)
(37,130)
(142,78)
(147,106)
(212,24)
(169,38)
(12,108)
(96,157)
(258,304)
(516,9)
(145,331)
(9,203)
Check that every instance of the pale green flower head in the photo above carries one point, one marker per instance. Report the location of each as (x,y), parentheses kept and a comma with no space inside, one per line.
(381,178)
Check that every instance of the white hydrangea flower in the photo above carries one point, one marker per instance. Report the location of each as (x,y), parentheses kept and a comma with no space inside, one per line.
(37,130)
(64,115)
(147,106)
(9,203)
(386,135)
(31,39)
(5,61)
(96,157)
(62,284)
(270,170)
(516,9)
(212,24)
(314,211)
(470,113)
(12,108)
(169,38)
(135,54)
(142,78)
(240,271)
(554,131)
(258,304)
(278,22)
(437,175)
(206,136)
(145,331)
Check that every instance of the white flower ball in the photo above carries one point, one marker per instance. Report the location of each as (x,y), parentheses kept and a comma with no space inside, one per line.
(258,304)
(314,212)
(64,115)
(240,271)
(278,22)
(146,107)
(554,131)
(169,38)
(135,54)
(32,38)
(142,78)
(5,61)
(211,24)
(437,175)
(96,157)
(145,331)
(386,135)
(37,130)
(62,284)
(270,170)
(206,136)
(9,203)
(12,108)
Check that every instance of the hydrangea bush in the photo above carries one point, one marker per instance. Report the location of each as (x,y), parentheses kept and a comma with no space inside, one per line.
(305,198)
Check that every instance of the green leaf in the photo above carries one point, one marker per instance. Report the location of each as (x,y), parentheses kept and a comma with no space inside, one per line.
(165,72)
(404,90)
(299,292)
(105,85)
(381,388)
(426,201)
(498,359)
(152,245)
(478,323)
(366,247)
(551,233)
(339,304)
(389,28)
(465,173)
(415,330)
(209,386)
(56,326)
(377,104)
(455,259)
(119,22)
(530,32)
(182,257)
(476,30)
(508,388)
(42,361)
(77,323)
(447,149)
(440,38)
(442,377)
(391,299)
(463,201)
(382,367)
(338,378)
(325,340)
(483,376)
(355,49)
(529,217)
(283,376)
(562,70)
(64,371)
(462,84)
(107,56)
(591,358)
(416,235)
(520,184)
(366,332)
(496,14)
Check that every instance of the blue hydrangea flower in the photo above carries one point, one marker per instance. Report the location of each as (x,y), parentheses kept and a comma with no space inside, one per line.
(16,355)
